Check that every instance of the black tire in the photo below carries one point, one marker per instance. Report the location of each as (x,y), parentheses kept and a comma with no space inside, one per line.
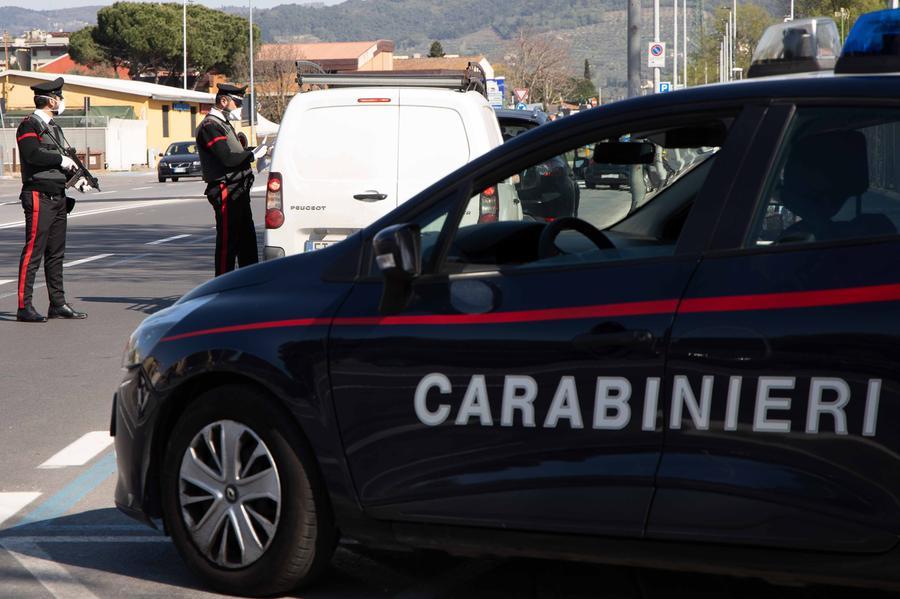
(162,179)
(174,179)
(589,185)
(615,186)
(305,535)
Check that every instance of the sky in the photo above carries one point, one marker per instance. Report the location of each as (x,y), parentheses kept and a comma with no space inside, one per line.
(214,3)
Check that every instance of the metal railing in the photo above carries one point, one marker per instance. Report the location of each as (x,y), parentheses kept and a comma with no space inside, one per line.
(66,122)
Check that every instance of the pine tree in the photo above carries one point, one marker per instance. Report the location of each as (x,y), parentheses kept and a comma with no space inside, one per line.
(436,51)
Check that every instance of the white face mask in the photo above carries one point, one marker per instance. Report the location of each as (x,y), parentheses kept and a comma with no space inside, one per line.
(61,107)
(234,115)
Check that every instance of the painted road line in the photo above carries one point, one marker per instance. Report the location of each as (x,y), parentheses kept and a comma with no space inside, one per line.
(11,503)
(202,239)
(86,260)
(12,293)
(56,579)
(168,239)
(130,259)
(140,188)
(5,281)
(100,193)
(65,499)
(81,451)
(131,206)
(257,188)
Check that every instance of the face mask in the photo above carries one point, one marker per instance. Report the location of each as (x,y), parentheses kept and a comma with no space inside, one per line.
(235,115)
(61,107)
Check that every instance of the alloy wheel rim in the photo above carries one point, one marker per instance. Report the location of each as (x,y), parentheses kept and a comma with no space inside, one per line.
(230,494)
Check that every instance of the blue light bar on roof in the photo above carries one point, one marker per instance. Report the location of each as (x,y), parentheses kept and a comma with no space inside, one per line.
(873,45)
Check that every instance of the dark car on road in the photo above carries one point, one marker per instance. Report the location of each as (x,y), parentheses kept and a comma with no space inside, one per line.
(546,190)
(181,159)
(614,176)
(688,387)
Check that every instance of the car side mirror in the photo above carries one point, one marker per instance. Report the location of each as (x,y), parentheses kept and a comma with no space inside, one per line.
(160,155)
(398,255)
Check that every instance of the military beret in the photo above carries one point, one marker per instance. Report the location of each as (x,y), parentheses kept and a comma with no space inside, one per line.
(231,90)
(49,88)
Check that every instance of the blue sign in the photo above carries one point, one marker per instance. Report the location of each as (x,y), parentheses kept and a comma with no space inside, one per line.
(181,106)
(664,86)
(521,106)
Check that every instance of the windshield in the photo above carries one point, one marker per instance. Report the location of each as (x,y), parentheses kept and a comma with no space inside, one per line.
(187,147)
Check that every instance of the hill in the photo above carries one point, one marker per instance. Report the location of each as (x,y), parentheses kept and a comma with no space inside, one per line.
(18,20)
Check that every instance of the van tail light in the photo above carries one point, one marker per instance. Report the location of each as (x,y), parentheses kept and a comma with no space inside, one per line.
(274,205)
(490,206)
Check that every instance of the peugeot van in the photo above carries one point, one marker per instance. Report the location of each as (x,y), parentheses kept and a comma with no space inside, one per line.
(347,156)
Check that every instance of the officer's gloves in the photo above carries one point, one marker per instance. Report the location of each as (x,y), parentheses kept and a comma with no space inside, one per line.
(67,164)
(260,151)
(82,185)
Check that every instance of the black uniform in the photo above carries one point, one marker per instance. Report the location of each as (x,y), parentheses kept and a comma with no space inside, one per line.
(44,202)
(227,171)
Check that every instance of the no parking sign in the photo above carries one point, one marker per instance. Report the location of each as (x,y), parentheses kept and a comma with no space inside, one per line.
(656,55)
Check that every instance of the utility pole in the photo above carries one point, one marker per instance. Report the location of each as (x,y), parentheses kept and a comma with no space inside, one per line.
(675,48)
(634,48)
(734,47)
(684,45)
(252,89)
(655,39)
(184,39)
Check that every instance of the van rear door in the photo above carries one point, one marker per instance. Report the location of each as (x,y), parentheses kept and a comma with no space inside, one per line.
(432,140)
(345,172)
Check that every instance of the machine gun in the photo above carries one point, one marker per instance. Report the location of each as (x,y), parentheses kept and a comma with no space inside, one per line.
(66,149)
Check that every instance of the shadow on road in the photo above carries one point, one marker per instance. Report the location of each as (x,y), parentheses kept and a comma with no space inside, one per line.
(147,305)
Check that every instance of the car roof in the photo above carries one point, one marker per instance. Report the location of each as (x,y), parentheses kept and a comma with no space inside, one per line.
(535,116)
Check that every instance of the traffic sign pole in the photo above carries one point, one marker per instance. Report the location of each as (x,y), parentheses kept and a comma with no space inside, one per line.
(656,39)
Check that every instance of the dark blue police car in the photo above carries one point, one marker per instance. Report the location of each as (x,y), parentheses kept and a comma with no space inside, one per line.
(700,374)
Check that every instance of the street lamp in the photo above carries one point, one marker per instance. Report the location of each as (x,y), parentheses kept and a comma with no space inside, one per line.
(252,89)
(184,39)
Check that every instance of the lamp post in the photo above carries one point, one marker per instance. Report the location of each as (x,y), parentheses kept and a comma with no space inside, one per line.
(184,39)
(252,89)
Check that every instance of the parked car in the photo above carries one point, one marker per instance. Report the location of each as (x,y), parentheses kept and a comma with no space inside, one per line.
(614,176)
(347,156)
(181,159)
(516,122)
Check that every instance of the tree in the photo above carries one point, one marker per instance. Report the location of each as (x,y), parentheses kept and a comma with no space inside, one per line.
(276,80)
(827,8)
(147,39)
(540,63)
(752,21)
(582,90)
(436,51)
(587,70)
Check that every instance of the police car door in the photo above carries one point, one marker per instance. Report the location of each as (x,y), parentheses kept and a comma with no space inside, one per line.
(520,386)
(783,365)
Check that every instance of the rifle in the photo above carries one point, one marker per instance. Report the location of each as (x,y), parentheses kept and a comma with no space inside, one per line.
(80,170)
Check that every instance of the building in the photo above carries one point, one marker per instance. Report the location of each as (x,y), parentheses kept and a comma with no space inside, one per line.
(34,49)
(445,65)
(333,57)
(64,64)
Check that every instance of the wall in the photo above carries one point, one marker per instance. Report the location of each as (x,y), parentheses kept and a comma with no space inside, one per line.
(382,61)
(126,144)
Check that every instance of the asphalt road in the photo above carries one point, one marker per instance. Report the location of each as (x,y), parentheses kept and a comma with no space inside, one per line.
(134,249)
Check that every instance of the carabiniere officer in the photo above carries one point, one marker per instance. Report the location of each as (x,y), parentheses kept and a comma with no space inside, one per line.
(226,166)
(44,201)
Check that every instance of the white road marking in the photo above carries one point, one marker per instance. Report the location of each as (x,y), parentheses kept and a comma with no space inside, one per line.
(86,260)
(81,451)
(100,193)
(130,259)
(140,188)
(56,579)
(5,281)
(167,239)
(131,206)
(257,188)
(11,503)
(202,239)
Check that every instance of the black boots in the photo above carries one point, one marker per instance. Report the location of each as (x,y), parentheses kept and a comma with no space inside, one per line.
(64,311)
(29,314)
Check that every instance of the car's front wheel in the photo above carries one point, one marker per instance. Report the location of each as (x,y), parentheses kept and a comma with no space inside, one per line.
(161,179)
(241,495)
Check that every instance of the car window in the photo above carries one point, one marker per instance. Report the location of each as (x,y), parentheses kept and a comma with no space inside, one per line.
(837,177)
(185,148)
(608,185)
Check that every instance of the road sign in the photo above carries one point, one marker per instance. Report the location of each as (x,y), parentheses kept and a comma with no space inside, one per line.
(656,55)
(521,106)
(521,94)
(664,86)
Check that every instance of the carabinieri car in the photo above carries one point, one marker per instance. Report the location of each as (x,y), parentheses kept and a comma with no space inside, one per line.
(702,374)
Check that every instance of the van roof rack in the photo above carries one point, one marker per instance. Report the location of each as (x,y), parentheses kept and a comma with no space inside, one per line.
(473,79)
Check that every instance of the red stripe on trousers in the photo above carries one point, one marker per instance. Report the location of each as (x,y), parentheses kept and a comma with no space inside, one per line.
(223,251)
(23,271)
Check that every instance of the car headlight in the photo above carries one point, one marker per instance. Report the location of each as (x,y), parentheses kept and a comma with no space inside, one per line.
(147,335)
(196,163)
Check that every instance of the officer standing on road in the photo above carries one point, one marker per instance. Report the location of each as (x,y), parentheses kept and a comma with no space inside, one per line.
(45,204)
(227,171)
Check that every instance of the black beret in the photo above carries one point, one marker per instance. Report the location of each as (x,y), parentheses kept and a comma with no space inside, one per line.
(49,88)
(233,90)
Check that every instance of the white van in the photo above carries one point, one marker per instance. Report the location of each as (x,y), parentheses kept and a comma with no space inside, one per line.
(346,156)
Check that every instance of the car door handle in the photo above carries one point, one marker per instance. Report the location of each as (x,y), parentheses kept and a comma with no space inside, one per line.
(591,341)
(370,195)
